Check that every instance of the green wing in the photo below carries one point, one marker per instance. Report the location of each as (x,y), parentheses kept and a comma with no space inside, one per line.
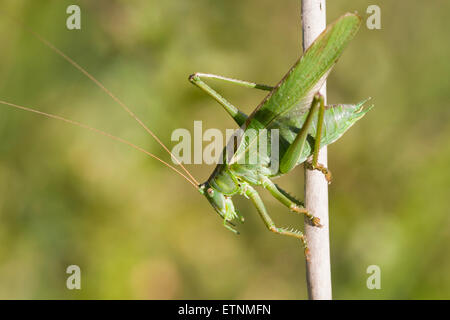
(285,106)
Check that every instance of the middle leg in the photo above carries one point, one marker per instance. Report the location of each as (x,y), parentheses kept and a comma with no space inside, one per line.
(292,205)
(257,201)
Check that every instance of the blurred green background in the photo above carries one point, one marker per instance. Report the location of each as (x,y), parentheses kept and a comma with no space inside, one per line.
(137,230)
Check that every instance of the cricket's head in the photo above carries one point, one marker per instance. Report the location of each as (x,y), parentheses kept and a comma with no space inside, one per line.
(221,203)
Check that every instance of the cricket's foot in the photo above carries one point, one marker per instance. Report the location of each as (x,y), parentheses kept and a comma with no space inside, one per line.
(321,168)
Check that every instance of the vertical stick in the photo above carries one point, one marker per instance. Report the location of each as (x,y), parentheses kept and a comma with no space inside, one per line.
(318,271)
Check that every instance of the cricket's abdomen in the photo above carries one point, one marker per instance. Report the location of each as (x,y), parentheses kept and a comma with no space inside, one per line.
(337,120)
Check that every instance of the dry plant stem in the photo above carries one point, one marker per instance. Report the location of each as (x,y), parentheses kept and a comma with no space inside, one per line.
(318,271)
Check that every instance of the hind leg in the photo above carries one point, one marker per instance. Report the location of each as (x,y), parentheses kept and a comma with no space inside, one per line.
(315,165)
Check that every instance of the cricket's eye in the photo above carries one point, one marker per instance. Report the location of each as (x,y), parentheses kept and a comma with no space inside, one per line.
(210,192)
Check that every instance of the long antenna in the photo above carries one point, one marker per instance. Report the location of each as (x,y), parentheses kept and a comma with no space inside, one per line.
(75,123)
(101,86)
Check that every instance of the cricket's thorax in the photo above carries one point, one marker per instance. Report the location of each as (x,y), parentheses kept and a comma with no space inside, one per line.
(224,181)
(229,179)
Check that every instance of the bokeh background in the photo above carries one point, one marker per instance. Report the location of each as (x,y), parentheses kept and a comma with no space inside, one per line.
(137,230)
